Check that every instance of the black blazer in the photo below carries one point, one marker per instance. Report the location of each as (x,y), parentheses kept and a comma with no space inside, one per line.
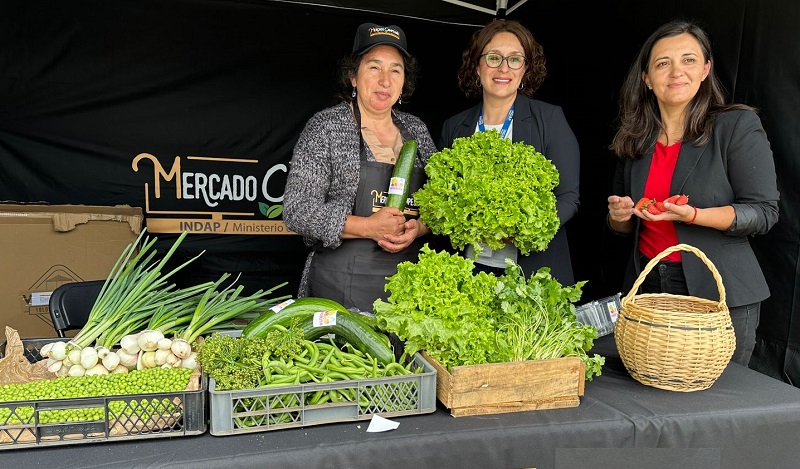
(734,168)
(544,127)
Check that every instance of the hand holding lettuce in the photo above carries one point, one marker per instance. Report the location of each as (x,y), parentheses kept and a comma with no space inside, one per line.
(486,189)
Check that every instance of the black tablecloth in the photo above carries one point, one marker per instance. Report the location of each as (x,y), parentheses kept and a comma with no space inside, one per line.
(745,420)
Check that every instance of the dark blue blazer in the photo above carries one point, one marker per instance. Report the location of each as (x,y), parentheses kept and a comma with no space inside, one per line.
(734,168)
(543,126)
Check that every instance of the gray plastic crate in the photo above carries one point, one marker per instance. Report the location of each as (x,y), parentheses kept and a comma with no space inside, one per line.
(130,416)
(602,314)
(275,408)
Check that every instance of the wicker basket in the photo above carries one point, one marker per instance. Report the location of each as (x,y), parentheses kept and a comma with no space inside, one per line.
(675,342)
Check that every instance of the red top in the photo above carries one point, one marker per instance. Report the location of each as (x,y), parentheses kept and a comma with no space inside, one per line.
(656,236)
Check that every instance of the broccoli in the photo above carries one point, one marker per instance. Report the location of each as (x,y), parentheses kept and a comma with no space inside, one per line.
(233,362)
(283,343)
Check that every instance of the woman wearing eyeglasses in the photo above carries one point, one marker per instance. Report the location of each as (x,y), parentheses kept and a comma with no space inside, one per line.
(340,171)
(503,66)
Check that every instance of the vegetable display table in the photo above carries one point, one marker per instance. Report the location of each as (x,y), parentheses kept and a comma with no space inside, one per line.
(745,420)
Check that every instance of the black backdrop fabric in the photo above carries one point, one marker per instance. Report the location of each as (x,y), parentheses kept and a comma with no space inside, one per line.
(191,108)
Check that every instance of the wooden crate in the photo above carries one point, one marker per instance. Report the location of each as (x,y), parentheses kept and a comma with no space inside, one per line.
(510,387)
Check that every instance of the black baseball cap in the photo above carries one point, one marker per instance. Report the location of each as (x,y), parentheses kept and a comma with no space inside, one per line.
(370,35)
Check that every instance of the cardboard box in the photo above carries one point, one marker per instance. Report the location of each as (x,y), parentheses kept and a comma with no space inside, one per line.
(496,388)
(45,246)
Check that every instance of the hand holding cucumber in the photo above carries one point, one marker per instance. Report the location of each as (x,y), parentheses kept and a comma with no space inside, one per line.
(413,229)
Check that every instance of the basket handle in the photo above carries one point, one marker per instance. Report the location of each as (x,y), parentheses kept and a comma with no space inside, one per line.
(665,253)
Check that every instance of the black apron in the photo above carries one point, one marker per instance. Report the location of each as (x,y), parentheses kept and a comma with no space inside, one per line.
(354,274)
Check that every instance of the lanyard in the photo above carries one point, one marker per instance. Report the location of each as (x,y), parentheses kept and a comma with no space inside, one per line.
(506,124)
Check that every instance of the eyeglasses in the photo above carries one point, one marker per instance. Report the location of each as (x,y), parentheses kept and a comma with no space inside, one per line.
(494,60)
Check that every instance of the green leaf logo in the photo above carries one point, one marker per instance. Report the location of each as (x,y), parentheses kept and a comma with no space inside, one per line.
(268,211)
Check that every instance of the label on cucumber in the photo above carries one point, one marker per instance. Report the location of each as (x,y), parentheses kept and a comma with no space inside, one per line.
(397,186)
(278,307)
(324,318)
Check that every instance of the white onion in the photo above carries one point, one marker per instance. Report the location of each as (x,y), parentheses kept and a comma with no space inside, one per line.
(181,348)
(74,355)
(148,359)
(148,340)
(88,357)
(128,360)
(102,352)
(97,370)
(54,365)
(161,356)
(165,343)
(58,350)
(173,360)
(111,361)
(76,370)
(64,370)
(190,361)
(130,343)
(44,352)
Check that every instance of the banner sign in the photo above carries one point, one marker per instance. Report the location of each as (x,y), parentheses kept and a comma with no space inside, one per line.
(212,195)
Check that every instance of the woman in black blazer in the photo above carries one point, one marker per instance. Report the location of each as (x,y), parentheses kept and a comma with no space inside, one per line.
(678,137)
(503,66)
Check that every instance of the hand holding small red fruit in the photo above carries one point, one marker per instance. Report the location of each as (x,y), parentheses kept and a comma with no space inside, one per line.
(673,208)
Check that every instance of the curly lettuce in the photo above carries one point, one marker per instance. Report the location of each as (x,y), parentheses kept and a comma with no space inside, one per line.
(436,303)
(460,318)
(486,189)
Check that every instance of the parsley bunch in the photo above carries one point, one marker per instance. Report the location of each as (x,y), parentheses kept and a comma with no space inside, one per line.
(486,189)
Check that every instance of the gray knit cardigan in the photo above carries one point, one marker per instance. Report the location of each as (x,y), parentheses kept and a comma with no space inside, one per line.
(324,172)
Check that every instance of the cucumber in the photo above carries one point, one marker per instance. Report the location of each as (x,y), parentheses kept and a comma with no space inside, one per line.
(349,326)
(298,309)
(353,329)
(400,183)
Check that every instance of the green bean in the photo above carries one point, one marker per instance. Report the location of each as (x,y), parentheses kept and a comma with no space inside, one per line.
(394,368)
(347,394)
(336,376)
(328,357)
(311,369)
(312,349)
(315,398)
(303,360)
(350,371)
(281,365)
(281,380)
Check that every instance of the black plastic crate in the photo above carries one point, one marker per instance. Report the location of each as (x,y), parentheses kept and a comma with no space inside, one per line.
(131,416)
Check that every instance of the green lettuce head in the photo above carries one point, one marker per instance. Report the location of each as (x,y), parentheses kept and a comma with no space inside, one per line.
(487,189)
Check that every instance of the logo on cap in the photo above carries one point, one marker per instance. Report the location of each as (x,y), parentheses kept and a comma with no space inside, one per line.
(384,31)
(370,35)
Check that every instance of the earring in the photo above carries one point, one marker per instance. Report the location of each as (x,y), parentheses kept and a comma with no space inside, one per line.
(649,87)
(478,81)
(353,94)
(400,99)
(521,86)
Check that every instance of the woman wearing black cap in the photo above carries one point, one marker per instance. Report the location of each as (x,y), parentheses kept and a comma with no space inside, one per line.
(340,171)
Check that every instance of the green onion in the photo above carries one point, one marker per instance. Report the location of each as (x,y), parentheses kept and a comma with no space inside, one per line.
(217,309)
(133,291)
